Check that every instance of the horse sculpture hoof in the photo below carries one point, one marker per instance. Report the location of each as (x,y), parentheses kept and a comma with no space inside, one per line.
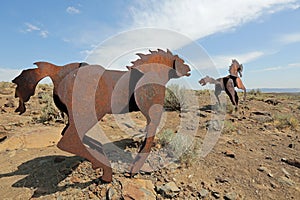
(106,178)
(135,168)
(132,173)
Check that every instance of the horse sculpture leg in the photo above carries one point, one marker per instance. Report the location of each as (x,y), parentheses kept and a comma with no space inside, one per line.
(230,91)
(145,149)
(72,143)
(241,86)
(152,124)
(218,91)
(150,100)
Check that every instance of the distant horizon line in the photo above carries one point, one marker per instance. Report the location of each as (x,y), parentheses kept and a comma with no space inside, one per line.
(276,90)
(262,89)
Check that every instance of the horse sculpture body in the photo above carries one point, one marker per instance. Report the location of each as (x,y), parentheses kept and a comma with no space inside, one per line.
(228,83)
(90,92)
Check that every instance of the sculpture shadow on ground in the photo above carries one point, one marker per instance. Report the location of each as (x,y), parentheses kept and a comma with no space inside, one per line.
(44,174)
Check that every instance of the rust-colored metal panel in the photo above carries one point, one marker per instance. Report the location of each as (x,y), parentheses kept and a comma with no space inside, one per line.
(87,92)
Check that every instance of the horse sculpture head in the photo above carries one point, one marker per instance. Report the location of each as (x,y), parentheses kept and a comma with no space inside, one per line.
(165,58)
(236,68)
(204,80)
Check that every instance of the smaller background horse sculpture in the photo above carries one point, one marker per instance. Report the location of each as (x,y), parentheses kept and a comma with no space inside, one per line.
(222,84)
(228,83)
(236,69)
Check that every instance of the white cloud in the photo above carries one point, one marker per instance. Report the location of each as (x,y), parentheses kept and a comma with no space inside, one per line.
(86,52)
(34,28)
(193,19)
(199,18)
(31,27)
(44,34)
(72,10)
(131,42)
(276,68)
(290,38)
(269,69)
(223,61)
(296,65)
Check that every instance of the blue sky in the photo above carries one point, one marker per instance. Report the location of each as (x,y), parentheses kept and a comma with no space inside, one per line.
(263,35)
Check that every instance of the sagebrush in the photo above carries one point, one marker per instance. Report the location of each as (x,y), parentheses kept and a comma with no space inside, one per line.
(175,98)
(179,145)
(49,110)
(282,121)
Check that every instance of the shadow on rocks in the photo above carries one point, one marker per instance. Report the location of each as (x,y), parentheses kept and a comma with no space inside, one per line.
(45,173)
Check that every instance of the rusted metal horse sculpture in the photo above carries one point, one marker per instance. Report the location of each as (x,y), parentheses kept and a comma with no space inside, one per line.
(228,83)
(90,92)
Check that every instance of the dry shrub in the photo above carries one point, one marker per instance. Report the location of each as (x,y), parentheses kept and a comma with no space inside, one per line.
(49,111)
(165,137)
(179,146)
(175,98)
(282,121)
(228,127)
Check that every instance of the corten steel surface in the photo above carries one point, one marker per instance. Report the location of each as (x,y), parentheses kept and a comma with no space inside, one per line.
(28,79)
(228,83)
(89,92)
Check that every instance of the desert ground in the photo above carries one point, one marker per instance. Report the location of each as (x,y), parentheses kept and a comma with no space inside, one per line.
(256,156)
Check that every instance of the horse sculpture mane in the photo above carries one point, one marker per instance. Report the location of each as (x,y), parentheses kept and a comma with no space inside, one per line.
(159,57)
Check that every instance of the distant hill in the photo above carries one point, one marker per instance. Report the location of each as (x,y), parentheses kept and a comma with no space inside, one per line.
(277,90)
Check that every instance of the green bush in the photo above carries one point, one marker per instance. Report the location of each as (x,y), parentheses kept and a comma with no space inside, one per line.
(175,98)
(165,137)
(49,111)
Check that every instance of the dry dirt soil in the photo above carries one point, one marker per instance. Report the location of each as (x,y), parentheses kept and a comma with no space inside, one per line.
(256,156)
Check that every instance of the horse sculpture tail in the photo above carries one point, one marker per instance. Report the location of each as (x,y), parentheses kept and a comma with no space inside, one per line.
(208,79)
(27,81)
